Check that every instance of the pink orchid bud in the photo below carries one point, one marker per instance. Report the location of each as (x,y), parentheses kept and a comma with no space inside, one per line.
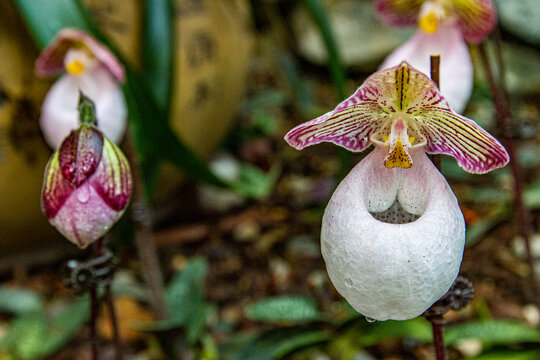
(87,183)
(88,66)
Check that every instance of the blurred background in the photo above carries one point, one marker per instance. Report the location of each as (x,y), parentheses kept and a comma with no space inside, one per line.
(235,213)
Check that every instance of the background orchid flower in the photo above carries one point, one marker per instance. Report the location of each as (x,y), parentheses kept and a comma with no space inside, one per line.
(444,28)
(392,234)
(87,183)
(88,66)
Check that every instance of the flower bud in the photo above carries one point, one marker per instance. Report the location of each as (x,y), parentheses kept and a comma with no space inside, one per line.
(87,183)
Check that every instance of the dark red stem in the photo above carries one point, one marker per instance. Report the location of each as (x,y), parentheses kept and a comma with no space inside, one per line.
(505,123)
(94,306)
(114,322)
(437,326)
(94,309)
(435,65)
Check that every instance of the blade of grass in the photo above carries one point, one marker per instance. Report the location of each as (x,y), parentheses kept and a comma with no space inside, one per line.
(157,50)
(318,14)
(45,18)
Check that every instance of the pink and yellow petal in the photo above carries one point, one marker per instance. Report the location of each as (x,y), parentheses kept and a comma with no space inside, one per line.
(350,128)
(456,72)
(400,87)
(476,18)
(51,60)
(475,150)
(112,180)
(56,188)
(398,12)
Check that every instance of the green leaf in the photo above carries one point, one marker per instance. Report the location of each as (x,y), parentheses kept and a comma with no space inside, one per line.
(158,50)
(25,336)
(284,309)
(34,336)
(45,18)
(185,289)
(510,355)
(186,307)
(209,349)
(255,183)
(492,332)
(276,343)
(417,328)
(19,301)
(65,325)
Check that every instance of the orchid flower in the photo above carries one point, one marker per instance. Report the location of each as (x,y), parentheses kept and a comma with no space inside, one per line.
(444,28)
(87,183)
(392,234)
(88,66)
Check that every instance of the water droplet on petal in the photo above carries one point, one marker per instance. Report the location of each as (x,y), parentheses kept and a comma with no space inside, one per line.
(349,283)
(370,320)
(88,166)
(83,193)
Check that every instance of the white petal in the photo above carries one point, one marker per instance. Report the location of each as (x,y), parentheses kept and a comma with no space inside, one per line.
(456,72)
(393,271)
(59,113)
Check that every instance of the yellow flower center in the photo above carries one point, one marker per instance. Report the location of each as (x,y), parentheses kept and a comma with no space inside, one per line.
(398,143)
(78,60)
(429,23)
(398,157)
(75,67)
(433,14)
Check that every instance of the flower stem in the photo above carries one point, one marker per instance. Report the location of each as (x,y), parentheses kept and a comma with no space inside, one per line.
(505,122)
(94,305)
(435,63)
(114,322)
(437,327)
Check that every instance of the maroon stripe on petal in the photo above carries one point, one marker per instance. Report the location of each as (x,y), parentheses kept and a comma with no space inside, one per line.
(56,189)
(112,179)
(80,153)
